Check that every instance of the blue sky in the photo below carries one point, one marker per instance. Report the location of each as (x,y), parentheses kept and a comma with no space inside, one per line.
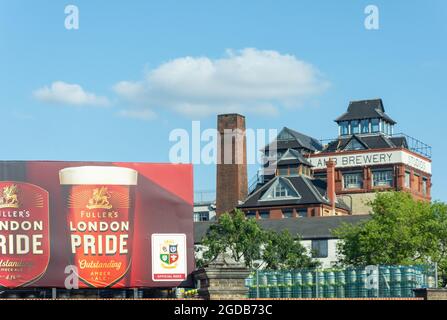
(125,51)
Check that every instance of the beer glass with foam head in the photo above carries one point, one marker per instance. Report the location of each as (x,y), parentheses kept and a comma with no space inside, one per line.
(100,210)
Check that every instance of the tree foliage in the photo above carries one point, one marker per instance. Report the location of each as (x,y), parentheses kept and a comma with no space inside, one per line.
(244,241)
(401,231)
(282,251)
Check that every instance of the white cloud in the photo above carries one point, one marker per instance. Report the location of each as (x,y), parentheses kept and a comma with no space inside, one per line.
(69,94)
(249,80)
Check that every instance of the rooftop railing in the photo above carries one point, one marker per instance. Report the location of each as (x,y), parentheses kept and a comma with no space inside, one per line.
(204,197)
(413,144)
(416,145)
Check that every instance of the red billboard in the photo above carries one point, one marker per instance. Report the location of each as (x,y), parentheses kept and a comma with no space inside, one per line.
(101,225)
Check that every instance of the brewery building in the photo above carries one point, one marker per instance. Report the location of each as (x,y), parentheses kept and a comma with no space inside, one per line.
(336,177)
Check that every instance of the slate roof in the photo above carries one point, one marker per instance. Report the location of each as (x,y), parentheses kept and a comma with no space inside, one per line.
(300,141)
(307,228)
(377,141)
(311,191)
(365,109)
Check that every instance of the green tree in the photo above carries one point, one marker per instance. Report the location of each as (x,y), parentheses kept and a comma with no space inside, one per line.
(245,241)
(401,231)
(283,251)
(235,235)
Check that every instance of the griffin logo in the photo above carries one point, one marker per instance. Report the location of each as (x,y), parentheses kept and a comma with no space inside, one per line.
(100,199)
(9,199)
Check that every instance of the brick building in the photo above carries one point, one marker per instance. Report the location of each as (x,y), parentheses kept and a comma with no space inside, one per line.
(370,157)
(310,179)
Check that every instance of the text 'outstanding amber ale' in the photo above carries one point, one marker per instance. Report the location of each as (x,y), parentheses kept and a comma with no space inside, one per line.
(100,211)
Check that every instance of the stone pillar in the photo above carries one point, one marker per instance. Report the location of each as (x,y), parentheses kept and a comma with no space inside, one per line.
(431,294)
(222,280)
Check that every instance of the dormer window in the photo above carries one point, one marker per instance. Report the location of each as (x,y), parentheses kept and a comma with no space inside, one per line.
(354,144)
(281,189)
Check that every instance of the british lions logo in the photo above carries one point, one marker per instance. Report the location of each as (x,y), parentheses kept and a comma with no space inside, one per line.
(169,254)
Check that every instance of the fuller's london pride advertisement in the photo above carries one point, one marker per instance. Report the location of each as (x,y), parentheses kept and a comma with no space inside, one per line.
(108,225)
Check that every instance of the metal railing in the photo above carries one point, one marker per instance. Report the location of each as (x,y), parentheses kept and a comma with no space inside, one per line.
(254,181)
(363,282)
(204,197)
(413,144)
(416,145)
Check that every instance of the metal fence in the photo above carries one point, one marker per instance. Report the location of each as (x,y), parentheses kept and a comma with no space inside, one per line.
(365,282)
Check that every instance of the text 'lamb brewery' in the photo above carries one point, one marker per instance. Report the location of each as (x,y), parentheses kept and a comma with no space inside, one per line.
(355,160)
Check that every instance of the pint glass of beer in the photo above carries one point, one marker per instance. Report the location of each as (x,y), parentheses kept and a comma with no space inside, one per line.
(100,208)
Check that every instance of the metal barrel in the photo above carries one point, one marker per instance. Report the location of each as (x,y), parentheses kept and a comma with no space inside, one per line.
(264,292)
(263,279)
(330,277)
(320,278)
(307,292)
(271,279)
(329,291)
(384,292)
(275,292)
(384,275)
(351,276)
(280,277)
(288,279)
(307,278)
(297,278)
(407,290)
(408,274)
(340,278)
(296,291)
(362,291)
(286,292)
(396,290)
(340,291)
(252,292)
(396,275)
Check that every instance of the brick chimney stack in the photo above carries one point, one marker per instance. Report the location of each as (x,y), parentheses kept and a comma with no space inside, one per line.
(330,165)
(232,182)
